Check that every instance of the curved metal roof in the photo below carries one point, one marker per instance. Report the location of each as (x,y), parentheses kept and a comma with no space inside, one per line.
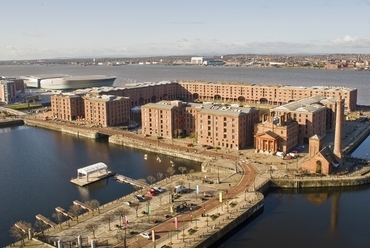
(92,168)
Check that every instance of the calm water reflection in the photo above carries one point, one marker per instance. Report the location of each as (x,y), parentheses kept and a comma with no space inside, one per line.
(37,164)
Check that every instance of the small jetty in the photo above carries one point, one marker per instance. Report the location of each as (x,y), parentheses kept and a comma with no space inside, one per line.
(124,179)
(46,220)
(82,205)
(22,227)
(64,212)
(91,174)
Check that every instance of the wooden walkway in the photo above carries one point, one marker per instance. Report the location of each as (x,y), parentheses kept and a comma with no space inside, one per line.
(46,220)
(22,227)
(82,205)
(124,179)
(64,212)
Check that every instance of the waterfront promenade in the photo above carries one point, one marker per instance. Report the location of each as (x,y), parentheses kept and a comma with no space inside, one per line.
(239,188)
(204,217)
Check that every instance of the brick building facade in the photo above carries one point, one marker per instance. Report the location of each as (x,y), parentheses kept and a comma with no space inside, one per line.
(67,106)
(106,110)
(262,94)
(214,125)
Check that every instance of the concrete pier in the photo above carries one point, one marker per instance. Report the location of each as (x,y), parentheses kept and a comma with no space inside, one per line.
(93,177)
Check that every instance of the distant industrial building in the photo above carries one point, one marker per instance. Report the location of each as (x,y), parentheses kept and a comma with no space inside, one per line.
(205,61)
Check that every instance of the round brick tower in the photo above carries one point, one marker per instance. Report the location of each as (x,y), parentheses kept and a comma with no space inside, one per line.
(338,132)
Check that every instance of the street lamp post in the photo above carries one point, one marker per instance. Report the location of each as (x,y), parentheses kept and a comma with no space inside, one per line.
(297,164)
(218,174)
(124,241)
(191,215)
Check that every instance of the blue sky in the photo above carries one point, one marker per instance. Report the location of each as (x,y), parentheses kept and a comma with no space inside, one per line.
(33,29)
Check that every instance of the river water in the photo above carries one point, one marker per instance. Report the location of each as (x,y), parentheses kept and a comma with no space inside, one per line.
(36,165)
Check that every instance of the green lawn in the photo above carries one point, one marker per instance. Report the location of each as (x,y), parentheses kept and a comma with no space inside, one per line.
(24,106)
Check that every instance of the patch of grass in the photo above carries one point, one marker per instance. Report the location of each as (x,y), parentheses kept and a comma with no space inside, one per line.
(24,106)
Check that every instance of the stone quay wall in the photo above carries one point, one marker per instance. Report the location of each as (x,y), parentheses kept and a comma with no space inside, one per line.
(156,148)
(348,181)
(249,214)
(11,123)
(79,132)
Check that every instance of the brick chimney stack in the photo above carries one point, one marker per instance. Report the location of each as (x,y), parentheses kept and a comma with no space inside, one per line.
(338,131)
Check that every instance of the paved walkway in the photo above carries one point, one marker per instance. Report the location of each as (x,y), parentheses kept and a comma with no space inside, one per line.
(256,168)
(230,192)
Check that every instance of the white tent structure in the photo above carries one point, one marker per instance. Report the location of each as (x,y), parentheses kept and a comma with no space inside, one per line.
(91,169)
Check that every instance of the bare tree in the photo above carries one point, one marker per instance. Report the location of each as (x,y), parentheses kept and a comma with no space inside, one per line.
(182,169)
(40,226)
(151,179)
(92,227)
(170,192)
(180,182)
(121,212)
(18,233)
(75,211)
(142,181)
(58,216)
(159,176)
(108,218)
(160,196)
(191,172)
(137,206)
(94,204)
(170,171)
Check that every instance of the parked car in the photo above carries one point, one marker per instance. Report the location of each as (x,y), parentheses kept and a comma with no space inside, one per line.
(180,189)
(151,192)
(128,203)
(159,189)
(156,191)
(136,198)
(146,235)
(207,194)
(142,197)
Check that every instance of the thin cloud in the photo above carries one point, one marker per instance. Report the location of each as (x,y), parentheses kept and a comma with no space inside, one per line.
(186,23)
(346,44)
(37,35)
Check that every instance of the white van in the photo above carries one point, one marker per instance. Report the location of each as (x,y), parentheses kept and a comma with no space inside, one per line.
(180,189)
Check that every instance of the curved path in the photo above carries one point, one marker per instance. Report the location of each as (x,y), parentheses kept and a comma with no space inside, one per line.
(164,228)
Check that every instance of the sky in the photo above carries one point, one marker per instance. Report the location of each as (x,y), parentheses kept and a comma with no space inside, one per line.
(47,29)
